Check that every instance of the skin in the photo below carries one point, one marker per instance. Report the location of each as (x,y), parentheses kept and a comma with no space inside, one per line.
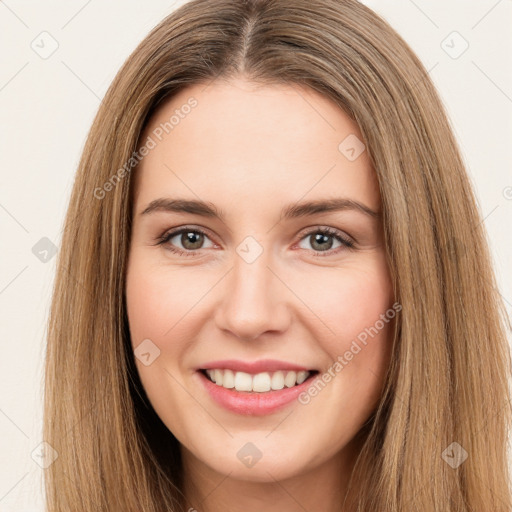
(251,150)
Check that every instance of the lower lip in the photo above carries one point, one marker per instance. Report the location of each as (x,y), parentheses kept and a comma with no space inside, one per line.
(253,403)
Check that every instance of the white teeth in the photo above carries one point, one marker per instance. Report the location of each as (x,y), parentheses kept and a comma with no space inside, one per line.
(277,380)
(260,383)
(218,376)
(290,379)
(243,381)
(228,380)
(302,376)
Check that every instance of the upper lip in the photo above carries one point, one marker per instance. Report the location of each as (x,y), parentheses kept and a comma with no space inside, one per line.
(254,367)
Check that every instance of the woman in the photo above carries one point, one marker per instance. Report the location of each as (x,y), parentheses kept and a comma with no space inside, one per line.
(274,289)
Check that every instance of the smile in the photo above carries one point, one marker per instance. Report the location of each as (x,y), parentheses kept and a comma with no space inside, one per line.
(254,394)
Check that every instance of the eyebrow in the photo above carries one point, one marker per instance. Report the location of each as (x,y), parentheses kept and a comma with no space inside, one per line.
(292,211)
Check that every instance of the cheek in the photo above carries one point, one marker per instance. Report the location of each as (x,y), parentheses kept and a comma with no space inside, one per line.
(145,303)
(351,300)
(159,303)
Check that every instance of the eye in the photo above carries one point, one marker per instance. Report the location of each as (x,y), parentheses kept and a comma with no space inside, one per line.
(321,240)
(191,240)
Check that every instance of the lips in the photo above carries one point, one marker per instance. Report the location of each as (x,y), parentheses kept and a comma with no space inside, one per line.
(254,388)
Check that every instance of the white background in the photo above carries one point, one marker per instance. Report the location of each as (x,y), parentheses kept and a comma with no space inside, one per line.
(47,106)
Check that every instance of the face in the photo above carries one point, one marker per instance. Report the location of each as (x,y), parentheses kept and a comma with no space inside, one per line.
(253,284)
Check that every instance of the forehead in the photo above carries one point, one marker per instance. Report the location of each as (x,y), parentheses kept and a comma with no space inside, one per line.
(237,139)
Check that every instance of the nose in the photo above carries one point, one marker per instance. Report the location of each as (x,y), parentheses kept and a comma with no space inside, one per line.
(253,301)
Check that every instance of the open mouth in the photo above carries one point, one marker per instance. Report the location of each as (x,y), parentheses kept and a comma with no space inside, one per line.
(263,382)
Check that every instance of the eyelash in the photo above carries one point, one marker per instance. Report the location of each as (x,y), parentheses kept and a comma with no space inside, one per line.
(166,237)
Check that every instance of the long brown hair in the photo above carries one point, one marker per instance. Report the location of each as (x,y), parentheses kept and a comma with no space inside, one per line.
(446,395)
